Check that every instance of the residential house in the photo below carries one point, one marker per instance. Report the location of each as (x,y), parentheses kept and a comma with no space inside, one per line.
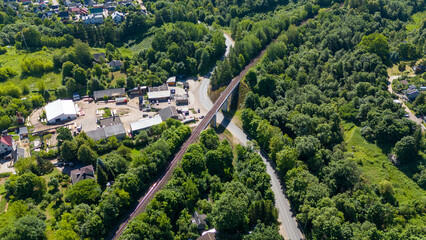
(84,11)
(110,93)
(209,235)
(7,144)
(26,2)
(93,19)
(74,10)
(60,110)
(199,220)
(117,17)
(99,5)
(36,10)
(64,15)
(168,112)
(116,65)
(97,57)
(96,11)
(86,172)
(23,132)
(412,93)
(419,69)
(42,5)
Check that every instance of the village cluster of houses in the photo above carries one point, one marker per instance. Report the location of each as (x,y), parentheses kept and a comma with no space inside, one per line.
(90,12)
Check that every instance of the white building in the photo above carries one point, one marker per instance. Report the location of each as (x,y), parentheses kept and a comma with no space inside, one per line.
(60,110)
(160,96)
(93,19)
(117,17)
(145,123)
(6,144)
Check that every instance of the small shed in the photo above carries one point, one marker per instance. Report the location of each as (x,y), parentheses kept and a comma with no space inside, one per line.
(171,81)
(23,132)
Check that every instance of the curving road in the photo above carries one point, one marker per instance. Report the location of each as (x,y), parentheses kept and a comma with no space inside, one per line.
(401,98)
(289,226)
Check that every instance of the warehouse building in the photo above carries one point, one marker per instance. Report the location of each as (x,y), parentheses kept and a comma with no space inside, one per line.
(110,93)
(145,124)
(60,111)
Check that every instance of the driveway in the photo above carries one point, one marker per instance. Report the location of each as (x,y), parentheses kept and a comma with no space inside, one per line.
(411,115)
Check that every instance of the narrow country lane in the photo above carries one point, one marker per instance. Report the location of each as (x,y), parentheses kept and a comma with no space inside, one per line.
(411,115)
(289,226)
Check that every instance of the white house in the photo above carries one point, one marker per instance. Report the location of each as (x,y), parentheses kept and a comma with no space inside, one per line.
(60,110)
(93,19)
(6,144)
(117,17)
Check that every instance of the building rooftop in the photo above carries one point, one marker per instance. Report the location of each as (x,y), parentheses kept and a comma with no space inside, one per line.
(106,132)
(8,140)
(114,120)
(145,123)
(159,94)
(171,79)
(82,173)
(163,87)
(115,63)
(116,92)
(168,112)
(114,130)
(97,56)
(23,130)
(59,107)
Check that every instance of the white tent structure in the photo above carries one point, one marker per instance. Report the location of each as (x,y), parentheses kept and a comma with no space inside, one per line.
(60,110)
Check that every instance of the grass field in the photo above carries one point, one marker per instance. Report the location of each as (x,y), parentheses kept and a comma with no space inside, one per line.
(13,58)
(417,20)
(376,167)
(135,48)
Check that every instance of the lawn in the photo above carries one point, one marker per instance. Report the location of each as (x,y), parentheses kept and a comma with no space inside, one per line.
(13,58)
(136,47)
(376,167)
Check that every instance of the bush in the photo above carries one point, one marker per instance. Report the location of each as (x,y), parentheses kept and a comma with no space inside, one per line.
(3,50)
(36,66)
(6,73)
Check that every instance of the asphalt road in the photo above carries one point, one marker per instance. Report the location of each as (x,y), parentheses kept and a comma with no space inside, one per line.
(289,226)
(411,115)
